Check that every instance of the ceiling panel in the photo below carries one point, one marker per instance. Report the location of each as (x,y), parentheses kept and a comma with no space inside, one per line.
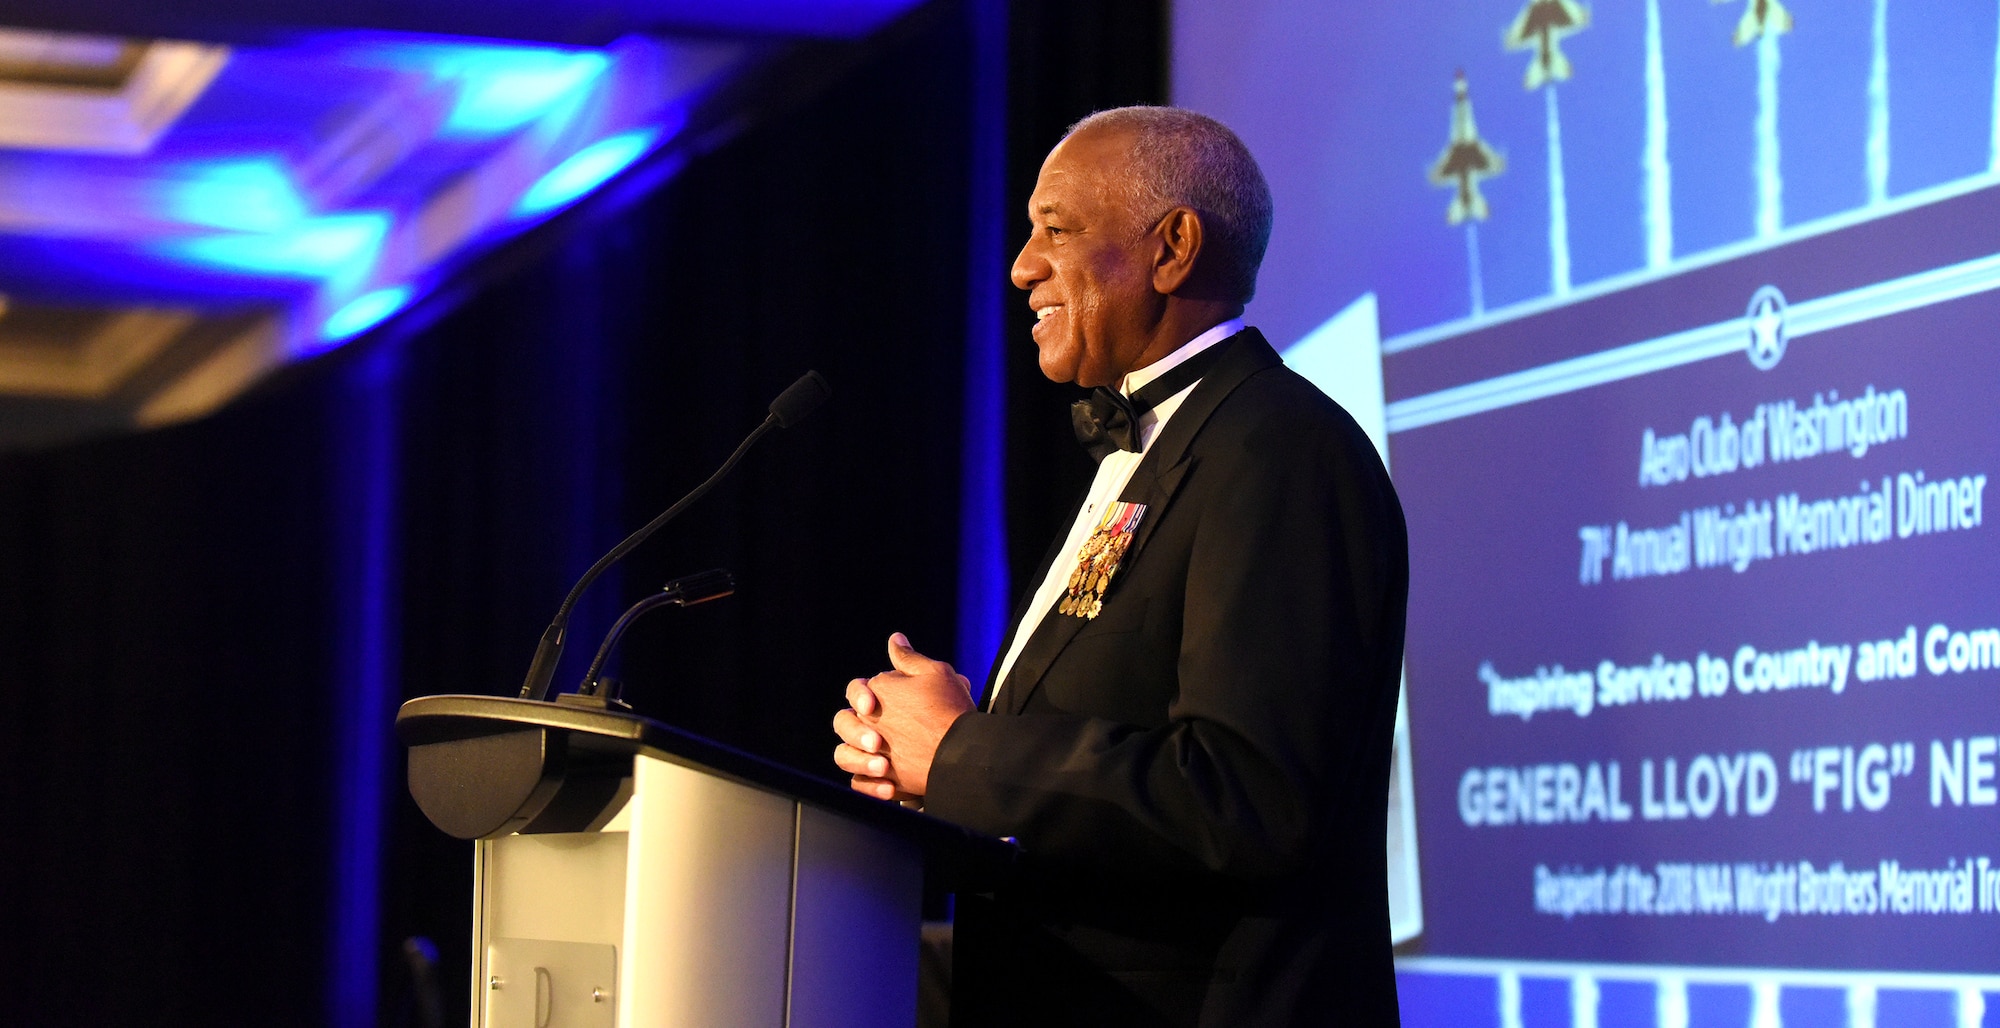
(572,22)
(178,218)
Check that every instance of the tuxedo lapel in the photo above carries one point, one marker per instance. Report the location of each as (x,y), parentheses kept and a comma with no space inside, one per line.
(1154,483)
(1158,477)
(1248,354)
(1054,633)
(1020,611)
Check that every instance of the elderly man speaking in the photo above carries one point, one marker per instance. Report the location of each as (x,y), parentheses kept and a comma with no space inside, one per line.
(1188,730)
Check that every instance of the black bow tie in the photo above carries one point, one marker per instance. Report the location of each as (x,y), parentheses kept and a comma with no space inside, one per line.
(1108,420)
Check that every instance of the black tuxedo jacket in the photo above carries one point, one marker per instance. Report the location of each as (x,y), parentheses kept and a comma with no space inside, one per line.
(1198,777)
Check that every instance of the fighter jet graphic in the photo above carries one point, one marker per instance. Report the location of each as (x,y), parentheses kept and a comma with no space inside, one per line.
(1541,26)
(1761,18)
(1465,160)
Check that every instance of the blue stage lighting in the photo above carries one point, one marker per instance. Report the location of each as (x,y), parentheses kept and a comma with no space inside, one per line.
(365,312)
(502,90)
(586,170)
(252,195)
(313,249)
(498,88)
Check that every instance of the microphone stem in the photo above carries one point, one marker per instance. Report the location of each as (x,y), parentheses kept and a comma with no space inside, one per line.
(618,630)
(549,652)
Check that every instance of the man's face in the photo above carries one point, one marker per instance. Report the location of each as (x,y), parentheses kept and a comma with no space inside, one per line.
(1088,263)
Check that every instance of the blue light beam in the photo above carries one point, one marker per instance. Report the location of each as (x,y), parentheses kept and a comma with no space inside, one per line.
(586,170)
(365,312)
(502,90)
(313,249)
(497,89)
(252,195)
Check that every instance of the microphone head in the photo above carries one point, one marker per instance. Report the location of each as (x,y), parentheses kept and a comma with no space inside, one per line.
(803,396)
(701,587)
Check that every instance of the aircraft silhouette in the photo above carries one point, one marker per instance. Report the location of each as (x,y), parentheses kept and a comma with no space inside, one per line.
(1465,160)
(1540,26)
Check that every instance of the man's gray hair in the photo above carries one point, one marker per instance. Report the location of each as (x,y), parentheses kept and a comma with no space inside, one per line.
(1184,159)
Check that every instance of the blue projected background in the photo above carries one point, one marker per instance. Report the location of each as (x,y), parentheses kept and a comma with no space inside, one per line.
(1678,320)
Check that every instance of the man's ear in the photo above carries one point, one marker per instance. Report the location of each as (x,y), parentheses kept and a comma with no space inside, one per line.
(1179,233)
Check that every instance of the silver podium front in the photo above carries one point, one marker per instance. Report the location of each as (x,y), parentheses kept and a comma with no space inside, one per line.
(626,873)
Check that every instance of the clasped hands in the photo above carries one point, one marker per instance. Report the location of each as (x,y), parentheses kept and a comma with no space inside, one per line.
(893,723)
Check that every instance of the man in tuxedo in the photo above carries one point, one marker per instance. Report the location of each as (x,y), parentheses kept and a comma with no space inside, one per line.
(1189,729)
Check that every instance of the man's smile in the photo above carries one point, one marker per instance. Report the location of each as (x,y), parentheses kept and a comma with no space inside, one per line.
(1044,312)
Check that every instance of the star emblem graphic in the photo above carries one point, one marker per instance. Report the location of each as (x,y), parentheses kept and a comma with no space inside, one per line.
(1766,319)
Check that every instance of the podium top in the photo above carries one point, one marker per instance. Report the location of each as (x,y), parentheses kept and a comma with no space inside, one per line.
(955,858)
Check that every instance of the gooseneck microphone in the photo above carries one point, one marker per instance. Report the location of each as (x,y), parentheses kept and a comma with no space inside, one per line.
(798,400)
(791,407)
(686,591)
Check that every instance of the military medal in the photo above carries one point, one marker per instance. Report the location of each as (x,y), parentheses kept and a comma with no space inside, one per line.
(1098,560)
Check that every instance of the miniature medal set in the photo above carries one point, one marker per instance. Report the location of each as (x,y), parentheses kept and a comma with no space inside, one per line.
(1098,560)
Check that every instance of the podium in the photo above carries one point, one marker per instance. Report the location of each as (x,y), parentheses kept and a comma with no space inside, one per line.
(626,873)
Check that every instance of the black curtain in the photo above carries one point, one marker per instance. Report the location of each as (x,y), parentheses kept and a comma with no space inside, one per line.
(184,614)
(162,634)
(1067,59)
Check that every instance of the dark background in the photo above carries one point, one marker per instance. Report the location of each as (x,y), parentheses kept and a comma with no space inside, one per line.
(180,610)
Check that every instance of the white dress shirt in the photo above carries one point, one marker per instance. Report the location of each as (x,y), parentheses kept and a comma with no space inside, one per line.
(1112,476)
